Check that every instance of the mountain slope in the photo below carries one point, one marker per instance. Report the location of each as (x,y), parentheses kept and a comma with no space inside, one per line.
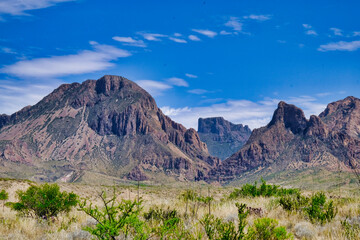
(222,137)
(291,142)
(110,127)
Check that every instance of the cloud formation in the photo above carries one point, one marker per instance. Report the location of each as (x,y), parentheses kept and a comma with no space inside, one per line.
(194,38)
(152,36)
(177,82)
(258,17)
(178,40)
(309,30)
(85,61)
(15,95)
(19,7)
(155,88)
(234,23)
(129,41)
(205,32)
(336,31)
(189,75)
(340,46)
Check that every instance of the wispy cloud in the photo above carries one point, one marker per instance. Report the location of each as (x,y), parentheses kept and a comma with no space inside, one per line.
(258,17)
(129,41)
(340,46)
(177,82)
(234,23)
(14,95)
(205,32)
(337,31)
(355,34)
(7,50)
(152,36)
(254,114)
(178,40)
(19,7)
(194,38)
(189,75)
(223,32)
(155,88)
(198,91)
(307,26)
(85,61)
(309,30)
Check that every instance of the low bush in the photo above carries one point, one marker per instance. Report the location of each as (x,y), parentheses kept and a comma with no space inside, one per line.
(216,228)
(265,190)
(295,202)
(115,218)
(45,201)
(319,209)
(267,229)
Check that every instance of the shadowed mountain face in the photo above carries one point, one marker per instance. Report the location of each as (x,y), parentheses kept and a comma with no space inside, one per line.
(109,127)
(222,137)
(291,142)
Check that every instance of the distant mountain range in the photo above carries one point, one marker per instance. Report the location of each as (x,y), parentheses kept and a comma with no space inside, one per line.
(222,137)
(111,129)
(291,142)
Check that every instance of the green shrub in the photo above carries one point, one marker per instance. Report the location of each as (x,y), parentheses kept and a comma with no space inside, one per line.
(267,229)
(216,228)
(115,218)
(264,190)
(319,209)
(44,201)
(295,202)
(3,197)
(351,229)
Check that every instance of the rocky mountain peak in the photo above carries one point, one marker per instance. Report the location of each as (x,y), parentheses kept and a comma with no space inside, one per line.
(222,137)
(291,116)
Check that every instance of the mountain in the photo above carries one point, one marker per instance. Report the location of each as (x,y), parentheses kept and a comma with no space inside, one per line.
(106,128)
(290,142)
(222,137)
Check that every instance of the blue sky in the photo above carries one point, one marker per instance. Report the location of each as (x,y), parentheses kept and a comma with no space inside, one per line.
(235,59)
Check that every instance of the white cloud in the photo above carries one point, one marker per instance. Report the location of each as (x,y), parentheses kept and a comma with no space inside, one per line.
(337,31)
(189,75)
(129,41)
(14,95)
(177,34)
(254,114)
(206,32)
(155,88)
(85,61)
(194,38)
(234,23)
(178,40)
(223,32)
(19,7)
(307,26)
(177,82)
(258,17)
(152,36)
(311,32)
(7,50)
(355,34)
(340,46)
(198,91)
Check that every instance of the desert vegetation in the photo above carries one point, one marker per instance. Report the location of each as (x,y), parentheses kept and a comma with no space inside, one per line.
(190,211)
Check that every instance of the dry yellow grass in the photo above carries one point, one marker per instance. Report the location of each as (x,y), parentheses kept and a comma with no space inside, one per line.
(70,226)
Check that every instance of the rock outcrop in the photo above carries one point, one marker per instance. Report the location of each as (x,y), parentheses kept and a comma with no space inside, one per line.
(222,137)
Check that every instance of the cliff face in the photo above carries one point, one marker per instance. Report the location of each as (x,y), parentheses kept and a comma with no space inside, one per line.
(222,137)
(290,141)
(110,126)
